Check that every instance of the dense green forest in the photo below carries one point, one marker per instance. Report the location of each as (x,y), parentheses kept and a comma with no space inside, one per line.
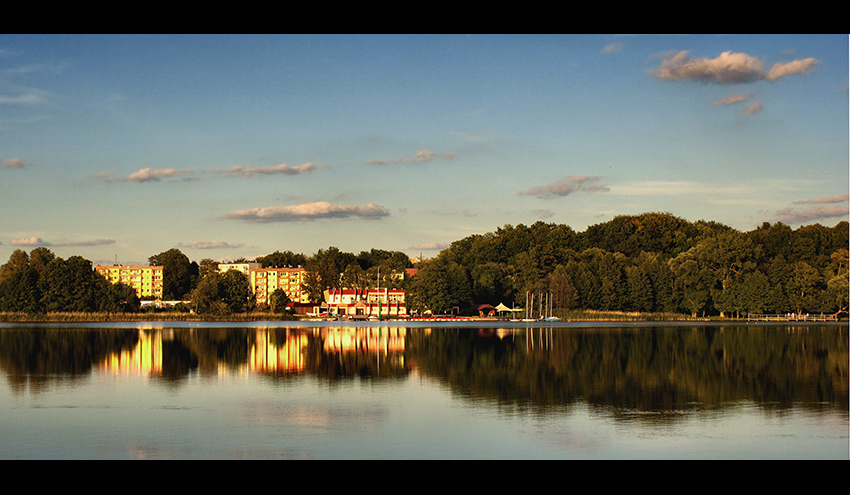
(649,263)
(654,262)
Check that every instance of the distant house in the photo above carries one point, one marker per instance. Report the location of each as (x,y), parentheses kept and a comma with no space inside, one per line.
(240,267)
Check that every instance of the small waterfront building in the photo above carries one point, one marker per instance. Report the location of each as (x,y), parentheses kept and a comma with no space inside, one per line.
(146,280)
(366,302)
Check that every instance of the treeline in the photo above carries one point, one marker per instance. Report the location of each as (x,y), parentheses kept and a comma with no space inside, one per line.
(42,282)
(654,262)
(649,263)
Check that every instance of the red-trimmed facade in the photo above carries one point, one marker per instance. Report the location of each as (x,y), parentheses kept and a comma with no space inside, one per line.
(365,302)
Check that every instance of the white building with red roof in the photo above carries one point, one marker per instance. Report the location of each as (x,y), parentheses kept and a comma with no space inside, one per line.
(365,302)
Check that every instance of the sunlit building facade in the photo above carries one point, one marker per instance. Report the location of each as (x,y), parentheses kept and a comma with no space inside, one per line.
(245,268)
(145,280)
(264,281)
(366,302)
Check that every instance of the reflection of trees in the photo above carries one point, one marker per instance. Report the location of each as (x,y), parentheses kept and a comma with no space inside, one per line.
(34,357)
(39,354)
(375,352)
(645,369)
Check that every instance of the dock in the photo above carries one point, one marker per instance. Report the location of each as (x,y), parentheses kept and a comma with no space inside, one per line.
(792,317)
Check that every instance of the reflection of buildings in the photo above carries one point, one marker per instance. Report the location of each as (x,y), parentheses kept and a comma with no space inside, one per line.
(146,280)
(144,359)
(377,340)
(266,356)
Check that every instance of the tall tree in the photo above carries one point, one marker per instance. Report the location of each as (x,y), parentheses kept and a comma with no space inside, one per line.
(693,283)
(430,289)
(278,300)
(285,259)
(119,298)
(838,285)
(18,263)
(329,264)
(207,266)
(222,293)
(802,288)
(71,285)
(491,283)
(179,275)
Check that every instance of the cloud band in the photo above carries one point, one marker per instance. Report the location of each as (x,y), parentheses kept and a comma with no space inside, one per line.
(307,212)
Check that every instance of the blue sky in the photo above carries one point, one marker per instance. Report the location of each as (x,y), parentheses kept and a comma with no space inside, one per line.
(121,147)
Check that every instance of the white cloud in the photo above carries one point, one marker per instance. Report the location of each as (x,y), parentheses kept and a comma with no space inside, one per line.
(22,99)
(14,163)
(794,68)
(613,47)
(420,157)
(727,68)
(544,213)
(150,174)
(754,108)
(829,199)
(732,99)
(308,211)
(29,241)
(791,217)
(283,169)
(145,175)
(38,241)
(95,242)
(431,246)
(566,187)
(156,175)
(209,245)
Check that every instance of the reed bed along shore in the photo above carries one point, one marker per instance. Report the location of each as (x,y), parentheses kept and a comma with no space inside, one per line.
(572,315)
(164,316)
(593,315)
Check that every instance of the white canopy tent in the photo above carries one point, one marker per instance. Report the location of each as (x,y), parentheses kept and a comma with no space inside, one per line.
(502,308)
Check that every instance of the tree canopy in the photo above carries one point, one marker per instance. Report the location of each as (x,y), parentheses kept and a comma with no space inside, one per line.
(653,262)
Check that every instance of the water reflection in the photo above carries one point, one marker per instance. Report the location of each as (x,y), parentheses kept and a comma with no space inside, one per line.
(649,374)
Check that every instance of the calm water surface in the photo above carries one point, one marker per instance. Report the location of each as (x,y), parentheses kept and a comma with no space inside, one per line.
(329,391)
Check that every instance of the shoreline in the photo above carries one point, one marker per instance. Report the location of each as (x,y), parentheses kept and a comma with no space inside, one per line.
(581,316)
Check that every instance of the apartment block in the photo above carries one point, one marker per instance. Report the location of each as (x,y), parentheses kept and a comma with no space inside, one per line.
(146,280)
(264,281)
(245,268)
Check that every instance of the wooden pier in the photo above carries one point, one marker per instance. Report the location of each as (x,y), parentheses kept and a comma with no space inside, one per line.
(792,317)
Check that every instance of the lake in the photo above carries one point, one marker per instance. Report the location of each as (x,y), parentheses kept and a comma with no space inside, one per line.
(330,390)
